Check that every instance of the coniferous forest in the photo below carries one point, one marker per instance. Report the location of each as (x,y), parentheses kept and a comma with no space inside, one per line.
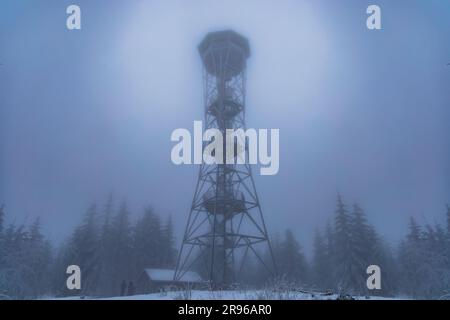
(111,247)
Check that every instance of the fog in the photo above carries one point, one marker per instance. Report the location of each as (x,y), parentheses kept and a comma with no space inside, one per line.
(363,113)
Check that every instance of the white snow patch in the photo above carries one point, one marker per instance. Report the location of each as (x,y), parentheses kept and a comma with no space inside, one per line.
(168,275)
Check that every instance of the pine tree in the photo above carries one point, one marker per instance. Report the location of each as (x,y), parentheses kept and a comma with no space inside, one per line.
(448,220)
(84,248)
(321,264)
(330,279)
(107,214)
(168,244)
(148,241)
(291,261)
(2,245)
(424,261)
(25,262)
(343,250)
(106,248)
(383,257)
(123,249)
(2,218)
(39,258)
(433,265)
(363,243)
(2,251)
(414,235)
(411,258)
(447,252)
(14,270)
(63,258)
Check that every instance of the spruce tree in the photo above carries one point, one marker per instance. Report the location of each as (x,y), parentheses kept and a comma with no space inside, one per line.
(39,259)
(343,250)
(330,280)
(448,220)
(2,245)
(147,239)
(15,271)
(168,244)
(2,219)
(123,248)
(84,248)
(411,252)
(106,248)
(363,244)
(321,264)
(291,261)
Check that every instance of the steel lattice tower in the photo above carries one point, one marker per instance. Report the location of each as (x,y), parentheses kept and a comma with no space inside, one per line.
(225,223)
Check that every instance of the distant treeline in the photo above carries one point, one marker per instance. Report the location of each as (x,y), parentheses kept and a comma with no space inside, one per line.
(110,249)
(106,246)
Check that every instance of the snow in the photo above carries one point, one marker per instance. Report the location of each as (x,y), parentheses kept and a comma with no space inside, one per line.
(219,295)
(168,275)
(232,295)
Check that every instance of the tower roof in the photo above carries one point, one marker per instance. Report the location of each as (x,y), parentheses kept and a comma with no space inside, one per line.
(224,52)
(225,38)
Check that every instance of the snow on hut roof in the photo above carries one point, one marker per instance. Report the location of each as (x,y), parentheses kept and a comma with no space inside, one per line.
(167,275)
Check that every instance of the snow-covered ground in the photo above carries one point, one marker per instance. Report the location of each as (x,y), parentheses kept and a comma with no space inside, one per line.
(231,295)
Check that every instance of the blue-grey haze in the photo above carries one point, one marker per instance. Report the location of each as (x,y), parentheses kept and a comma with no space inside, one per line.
(365,113)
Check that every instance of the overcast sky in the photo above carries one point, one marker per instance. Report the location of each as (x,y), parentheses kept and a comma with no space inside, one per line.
(365,113)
